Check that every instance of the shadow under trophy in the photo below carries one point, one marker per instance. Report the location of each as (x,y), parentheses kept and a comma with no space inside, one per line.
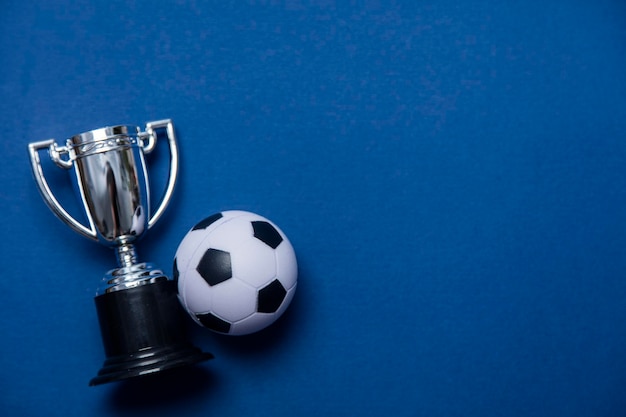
(138,310)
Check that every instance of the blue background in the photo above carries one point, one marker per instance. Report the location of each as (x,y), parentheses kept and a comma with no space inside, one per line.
(451,175)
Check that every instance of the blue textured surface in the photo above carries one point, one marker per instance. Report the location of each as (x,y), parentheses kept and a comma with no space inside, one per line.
(451,175)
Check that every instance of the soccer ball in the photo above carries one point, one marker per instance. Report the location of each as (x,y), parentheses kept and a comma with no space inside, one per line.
(236,272)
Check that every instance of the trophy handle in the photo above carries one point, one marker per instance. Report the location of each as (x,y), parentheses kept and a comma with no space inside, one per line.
(54,205)
(173,174)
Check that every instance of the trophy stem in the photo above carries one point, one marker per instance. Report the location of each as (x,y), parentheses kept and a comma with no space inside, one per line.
(126,255)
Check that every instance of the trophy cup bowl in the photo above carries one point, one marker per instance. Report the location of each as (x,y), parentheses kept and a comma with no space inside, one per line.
(138,310)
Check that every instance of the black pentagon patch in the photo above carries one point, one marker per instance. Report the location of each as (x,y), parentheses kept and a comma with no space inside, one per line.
(176,273)
(213,322)
(215,267)
(203,224)
(271,297)
(267,234)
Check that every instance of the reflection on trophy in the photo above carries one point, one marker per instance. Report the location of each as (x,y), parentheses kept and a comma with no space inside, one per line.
(137,306)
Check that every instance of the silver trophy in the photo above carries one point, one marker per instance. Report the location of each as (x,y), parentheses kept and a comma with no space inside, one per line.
(137,306)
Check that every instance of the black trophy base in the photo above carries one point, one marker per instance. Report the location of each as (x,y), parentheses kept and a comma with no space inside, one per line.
(143,332)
